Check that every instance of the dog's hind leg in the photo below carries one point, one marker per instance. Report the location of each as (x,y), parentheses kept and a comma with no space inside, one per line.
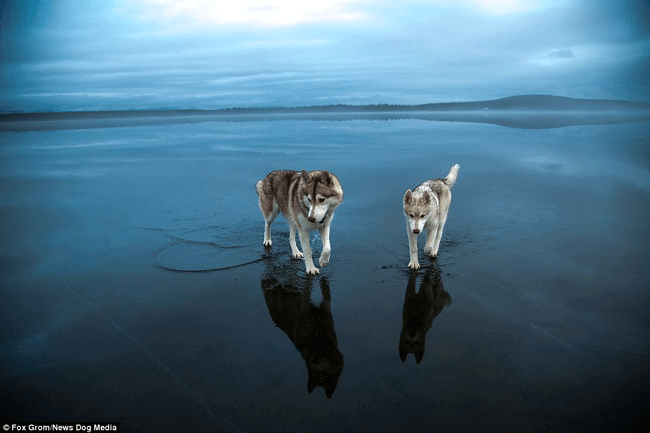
(268,220)
(295,252)
(325,238)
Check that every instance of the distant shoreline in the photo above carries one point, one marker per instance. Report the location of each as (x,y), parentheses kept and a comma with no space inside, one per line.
(534,103)
(528,112)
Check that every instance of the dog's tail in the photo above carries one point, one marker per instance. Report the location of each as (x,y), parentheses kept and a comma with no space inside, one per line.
(450,180)
(258,187)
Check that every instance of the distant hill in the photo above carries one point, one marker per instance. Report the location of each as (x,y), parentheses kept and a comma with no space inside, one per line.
(540,103)
(521,102)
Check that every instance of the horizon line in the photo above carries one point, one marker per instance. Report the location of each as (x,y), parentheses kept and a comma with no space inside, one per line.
(383,106)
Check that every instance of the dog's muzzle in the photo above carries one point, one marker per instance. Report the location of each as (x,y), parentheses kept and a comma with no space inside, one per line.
(311,219)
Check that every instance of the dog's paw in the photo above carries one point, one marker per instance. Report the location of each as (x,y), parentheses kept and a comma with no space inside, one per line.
(267,243)
(297,255)
(414,265)
(313,271)
(324,259)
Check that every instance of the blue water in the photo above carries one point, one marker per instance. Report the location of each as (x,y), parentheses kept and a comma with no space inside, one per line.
(533,318)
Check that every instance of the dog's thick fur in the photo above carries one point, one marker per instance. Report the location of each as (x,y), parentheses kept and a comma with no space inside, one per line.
(308,201)
(426,207)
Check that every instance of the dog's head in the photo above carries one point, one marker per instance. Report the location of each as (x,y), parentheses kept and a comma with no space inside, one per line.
(417,210)
(321,193)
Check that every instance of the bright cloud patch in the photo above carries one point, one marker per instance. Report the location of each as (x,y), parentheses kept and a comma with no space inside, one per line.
(260,12)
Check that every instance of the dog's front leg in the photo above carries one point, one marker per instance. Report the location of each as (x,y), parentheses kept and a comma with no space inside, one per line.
(295,252)
(441,225)
(413,248)
(430,245)
(325,239)
(306,249)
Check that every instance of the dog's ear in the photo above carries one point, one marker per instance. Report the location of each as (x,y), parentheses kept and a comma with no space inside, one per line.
(426,198)
(325,178)
(408,196)
(304,175)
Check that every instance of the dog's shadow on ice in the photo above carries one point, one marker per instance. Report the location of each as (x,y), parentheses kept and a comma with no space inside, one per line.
(420,308)
(309,325)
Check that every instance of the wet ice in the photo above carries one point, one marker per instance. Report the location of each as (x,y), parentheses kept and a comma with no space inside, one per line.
(544,256)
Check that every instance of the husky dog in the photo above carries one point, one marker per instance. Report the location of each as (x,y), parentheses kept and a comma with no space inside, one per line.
(307,200)
(426,207)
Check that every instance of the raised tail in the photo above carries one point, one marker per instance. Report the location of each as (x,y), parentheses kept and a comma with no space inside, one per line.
(450,180)
(258,187)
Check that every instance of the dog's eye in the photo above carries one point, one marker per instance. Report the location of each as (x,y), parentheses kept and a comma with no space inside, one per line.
(321,200)
(422,216)
(411,215)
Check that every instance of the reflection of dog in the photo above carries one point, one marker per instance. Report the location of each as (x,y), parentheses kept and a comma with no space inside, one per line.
(310,328)
(419,311)
(426,207)
(307,201)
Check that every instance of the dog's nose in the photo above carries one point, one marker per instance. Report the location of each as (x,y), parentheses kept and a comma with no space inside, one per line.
(311,219)
(416,231)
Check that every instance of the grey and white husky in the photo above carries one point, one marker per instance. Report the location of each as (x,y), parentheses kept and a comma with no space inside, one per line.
(308,201)
(426,207)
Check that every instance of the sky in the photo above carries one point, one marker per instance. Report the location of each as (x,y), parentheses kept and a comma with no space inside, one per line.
(73,55)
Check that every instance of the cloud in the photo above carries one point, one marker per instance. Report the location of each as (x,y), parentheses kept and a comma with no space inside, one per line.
(499,7)
(565,53)
(254,12)
(131,54)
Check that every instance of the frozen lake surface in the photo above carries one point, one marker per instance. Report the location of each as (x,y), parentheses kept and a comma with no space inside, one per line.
(135,287)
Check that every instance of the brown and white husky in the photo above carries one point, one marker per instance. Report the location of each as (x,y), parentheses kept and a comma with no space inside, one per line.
(307,201)
(426,207)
